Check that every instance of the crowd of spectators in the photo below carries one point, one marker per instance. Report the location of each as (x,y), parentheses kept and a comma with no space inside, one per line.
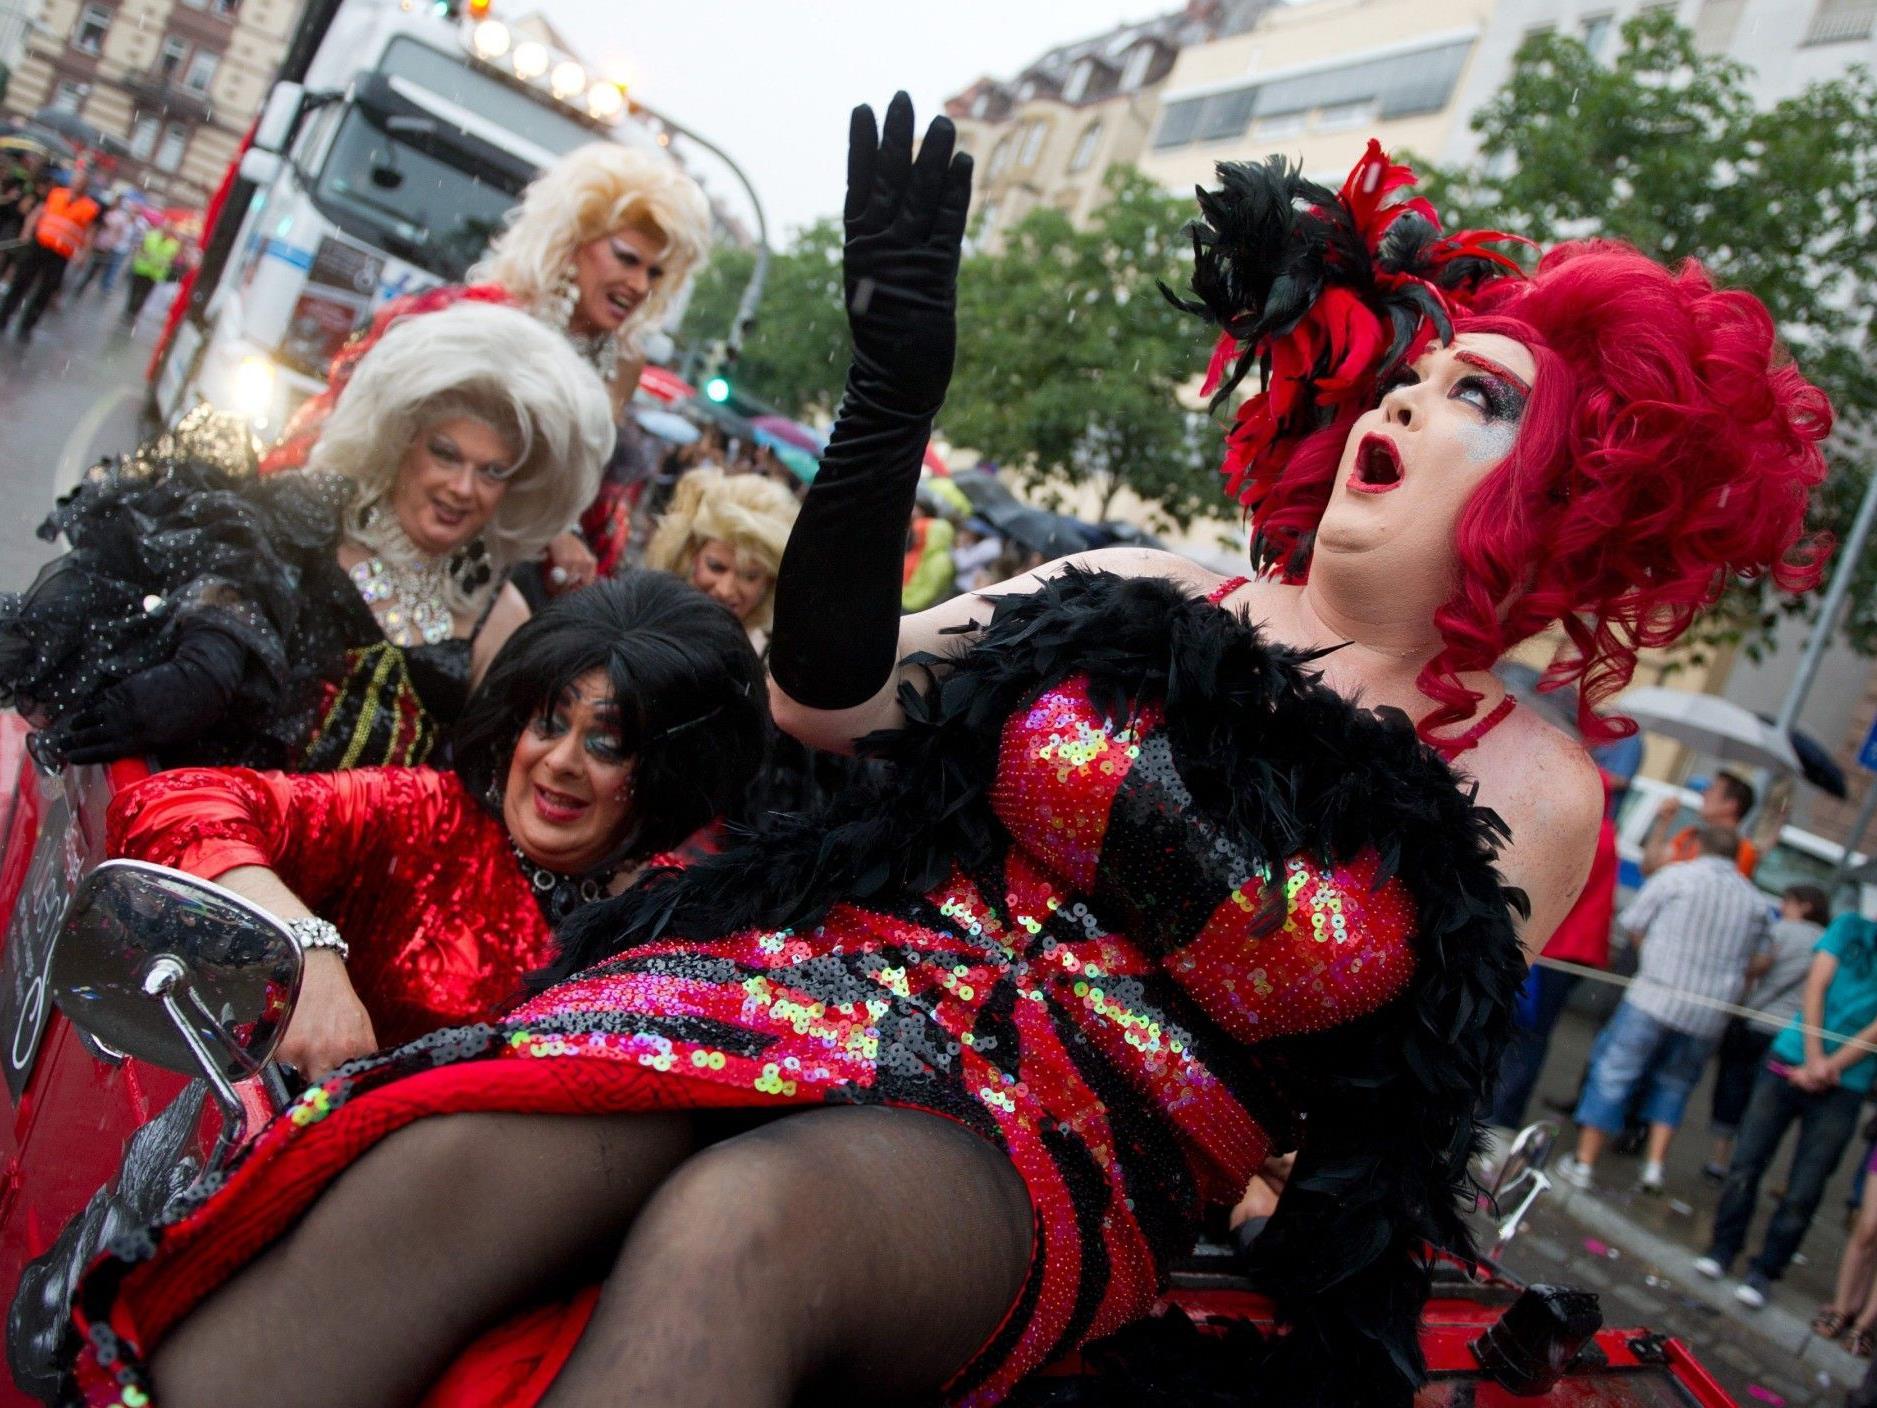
(1777,999)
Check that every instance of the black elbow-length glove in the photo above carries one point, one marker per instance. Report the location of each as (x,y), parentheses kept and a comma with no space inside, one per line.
(165,705)
(836,632)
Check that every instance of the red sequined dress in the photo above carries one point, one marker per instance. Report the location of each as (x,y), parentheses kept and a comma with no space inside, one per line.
(419,878)
(1138,902)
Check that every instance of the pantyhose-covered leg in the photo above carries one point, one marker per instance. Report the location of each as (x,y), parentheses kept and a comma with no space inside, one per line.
(437,1233)
(870,1250)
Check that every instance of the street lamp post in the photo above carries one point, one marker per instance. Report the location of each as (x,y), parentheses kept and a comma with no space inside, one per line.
(753,290)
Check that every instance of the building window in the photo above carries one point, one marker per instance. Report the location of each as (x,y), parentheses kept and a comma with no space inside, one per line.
(1079,78)
(227,9)
(1085,147)
(143,136)
(195,4)
(1596,34)
(980,105)
(169,151)
(1401,85)
(169,58)
(1836,21)
(1032,144)
(94,22)
(1000,155)
(1281,124)
(1026,91)
(68,96)
(1340,117)
(201,71)
(1135,74)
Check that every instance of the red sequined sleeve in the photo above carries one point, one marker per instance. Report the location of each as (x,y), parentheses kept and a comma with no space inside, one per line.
(314,830)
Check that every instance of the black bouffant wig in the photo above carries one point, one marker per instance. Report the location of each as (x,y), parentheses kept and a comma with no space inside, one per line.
(693,707)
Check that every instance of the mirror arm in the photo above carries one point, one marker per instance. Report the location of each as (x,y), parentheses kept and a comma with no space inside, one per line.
(1541,1185)
(160,982)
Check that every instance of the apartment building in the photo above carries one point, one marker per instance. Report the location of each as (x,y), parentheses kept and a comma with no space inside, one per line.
(1314,81)
(177,81)
(1784,44)
(1050,134)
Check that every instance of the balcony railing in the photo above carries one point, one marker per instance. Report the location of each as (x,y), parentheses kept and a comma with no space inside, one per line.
(1839,23)
(160,92)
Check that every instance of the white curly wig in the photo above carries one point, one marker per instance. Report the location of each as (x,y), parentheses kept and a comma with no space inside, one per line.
(497,365)
(588,194)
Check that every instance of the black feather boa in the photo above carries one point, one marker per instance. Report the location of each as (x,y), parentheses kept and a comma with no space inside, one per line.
(1292,768)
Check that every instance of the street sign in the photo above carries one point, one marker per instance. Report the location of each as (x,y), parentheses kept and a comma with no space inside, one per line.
(1867,755)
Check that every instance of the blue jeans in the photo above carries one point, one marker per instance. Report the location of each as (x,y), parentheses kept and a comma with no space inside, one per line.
(1525,1054)
(1826,1121)
(1635,1049)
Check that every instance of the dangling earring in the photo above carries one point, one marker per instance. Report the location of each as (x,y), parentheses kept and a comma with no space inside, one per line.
(559,309)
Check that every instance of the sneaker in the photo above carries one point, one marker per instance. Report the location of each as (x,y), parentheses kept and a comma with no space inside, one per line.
(1652,1181)
(1752,1291)
(1578,1174)
(1710,1267)
(1714,1173)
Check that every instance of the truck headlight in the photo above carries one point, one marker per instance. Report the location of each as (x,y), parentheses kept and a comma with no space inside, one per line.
(252,389)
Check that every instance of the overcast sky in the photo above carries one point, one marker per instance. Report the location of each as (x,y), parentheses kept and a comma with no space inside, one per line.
(772,83)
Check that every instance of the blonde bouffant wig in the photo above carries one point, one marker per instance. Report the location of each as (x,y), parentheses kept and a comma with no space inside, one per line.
(496,365)
(590,193)
(750,513)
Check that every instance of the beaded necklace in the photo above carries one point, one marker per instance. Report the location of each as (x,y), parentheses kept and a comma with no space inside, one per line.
(560,895)
(415,609)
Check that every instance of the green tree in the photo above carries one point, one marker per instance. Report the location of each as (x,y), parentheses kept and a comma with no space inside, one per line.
(1070,361)
(1663,147)
(795,356)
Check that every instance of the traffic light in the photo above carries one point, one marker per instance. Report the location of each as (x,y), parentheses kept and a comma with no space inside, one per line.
(717,389)
(478,9)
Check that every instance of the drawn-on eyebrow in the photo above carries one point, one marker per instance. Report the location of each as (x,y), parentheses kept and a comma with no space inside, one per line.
(1486,364)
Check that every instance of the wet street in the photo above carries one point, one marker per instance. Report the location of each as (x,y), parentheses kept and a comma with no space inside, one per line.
(71,394)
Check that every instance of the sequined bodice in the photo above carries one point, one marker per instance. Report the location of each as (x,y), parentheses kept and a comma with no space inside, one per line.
(1268,949)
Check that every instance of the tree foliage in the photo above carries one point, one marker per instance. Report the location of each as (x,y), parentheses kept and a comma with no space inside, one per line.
(795,356)
(1662,146)
(1070,361)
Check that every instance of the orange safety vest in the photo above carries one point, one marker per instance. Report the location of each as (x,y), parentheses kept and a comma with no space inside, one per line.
(63,220)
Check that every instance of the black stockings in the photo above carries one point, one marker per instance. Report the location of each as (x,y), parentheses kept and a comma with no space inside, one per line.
(865,1251)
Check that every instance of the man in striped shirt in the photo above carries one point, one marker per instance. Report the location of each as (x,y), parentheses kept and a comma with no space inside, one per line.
(1696,926)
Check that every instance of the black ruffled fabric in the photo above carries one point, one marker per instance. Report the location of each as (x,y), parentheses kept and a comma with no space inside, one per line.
(157,543)
(1289,767)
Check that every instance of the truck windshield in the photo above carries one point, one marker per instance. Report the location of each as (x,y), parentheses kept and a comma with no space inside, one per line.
(416,203)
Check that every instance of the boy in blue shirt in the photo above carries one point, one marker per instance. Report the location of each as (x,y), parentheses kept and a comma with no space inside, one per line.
(1813,1075)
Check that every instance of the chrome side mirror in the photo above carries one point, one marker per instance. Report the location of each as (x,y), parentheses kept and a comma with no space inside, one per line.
(1522,1177)
(176,971)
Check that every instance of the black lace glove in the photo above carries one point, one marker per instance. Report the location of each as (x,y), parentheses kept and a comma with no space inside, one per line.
(836,632)
(164,705)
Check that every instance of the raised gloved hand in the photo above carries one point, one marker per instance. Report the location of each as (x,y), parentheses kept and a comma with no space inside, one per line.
(905,225)
(836,632)
(164,705)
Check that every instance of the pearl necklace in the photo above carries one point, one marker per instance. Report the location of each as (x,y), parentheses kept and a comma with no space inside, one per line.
(415,607)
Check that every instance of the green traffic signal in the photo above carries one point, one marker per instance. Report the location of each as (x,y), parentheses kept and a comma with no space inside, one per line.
(717,389)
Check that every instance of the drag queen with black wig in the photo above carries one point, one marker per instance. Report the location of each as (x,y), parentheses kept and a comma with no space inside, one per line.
(908,1100)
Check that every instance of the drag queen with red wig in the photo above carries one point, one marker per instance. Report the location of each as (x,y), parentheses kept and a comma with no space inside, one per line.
(911,1097)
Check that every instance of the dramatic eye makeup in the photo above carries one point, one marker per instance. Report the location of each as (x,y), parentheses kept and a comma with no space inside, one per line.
(1505,392)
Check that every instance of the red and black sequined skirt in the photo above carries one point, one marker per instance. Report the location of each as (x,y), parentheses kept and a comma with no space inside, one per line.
(1107,1113)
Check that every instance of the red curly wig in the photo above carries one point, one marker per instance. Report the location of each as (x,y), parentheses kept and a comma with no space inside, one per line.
(1668,445)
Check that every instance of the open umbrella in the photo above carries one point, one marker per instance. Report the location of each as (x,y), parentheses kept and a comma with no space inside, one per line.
(776,431)
(665,384)
(1039,530)
(74,128)
(1818,766)
(1710,725)
(986,491)
(705,410)
(797,461)
(666,425)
